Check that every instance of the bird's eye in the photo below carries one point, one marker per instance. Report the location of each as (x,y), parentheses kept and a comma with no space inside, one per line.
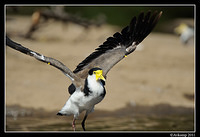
(94,72)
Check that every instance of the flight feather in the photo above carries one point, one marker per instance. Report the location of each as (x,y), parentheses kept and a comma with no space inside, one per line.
(118,46)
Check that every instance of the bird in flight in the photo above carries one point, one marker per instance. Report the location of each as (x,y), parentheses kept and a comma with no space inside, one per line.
(88,79)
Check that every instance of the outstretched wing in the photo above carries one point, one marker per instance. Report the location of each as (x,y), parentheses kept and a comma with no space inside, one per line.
(51,61)
(120,45)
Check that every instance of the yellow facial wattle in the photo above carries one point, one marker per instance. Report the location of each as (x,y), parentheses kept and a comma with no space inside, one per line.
(99,75)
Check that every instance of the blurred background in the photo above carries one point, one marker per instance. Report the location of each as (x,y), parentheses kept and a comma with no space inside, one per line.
(151,90)
(113,15)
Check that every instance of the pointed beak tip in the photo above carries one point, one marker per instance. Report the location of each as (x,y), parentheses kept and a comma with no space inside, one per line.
(102,77)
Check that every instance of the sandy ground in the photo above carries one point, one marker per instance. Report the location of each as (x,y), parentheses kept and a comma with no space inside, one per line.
(161,73)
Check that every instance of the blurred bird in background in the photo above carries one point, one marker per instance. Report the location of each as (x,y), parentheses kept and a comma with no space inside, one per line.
(186,33)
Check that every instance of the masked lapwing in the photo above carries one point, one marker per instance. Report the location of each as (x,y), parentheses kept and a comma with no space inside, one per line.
(186,32)
(88,79)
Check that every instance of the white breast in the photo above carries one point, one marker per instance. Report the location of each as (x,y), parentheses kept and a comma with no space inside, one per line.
(95,86)
(78,102)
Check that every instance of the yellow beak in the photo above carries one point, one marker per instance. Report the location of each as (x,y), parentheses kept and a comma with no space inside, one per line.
(99,75)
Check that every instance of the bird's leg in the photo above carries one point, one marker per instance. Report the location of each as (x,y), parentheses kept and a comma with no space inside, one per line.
(83,122)
(73,124)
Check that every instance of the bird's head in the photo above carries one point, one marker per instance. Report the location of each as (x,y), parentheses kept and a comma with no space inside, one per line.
(97,72)
(180,29)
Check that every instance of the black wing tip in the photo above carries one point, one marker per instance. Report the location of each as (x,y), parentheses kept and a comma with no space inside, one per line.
(17,46)
(143,26)
(138,29)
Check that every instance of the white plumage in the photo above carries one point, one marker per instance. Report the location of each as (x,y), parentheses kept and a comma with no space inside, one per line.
(186,32)
(79,102)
